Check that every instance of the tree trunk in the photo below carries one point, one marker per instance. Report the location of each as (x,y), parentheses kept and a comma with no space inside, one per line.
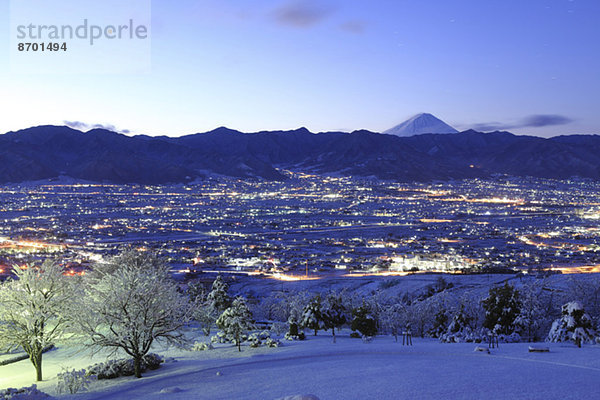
(315,332)
(239,345)
(36,360)
(137,366)
(333,331)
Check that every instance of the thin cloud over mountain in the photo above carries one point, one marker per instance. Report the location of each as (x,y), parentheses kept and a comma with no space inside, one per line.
(83,126)
(531,121)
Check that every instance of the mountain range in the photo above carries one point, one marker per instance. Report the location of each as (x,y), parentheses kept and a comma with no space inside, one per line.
(48,152)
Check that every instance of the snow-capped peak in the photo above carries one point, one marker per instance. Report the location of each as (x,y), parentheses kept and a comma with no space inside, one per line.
(419,124)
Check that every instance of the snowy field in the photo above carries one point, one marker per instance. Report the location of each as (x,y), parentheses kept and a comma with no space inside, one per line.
(349,369)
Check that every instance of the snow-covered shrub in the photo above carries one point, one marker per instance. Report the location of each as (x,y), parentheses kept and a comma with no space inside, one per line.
(294,333)
(74,381)
(29,393)
(254,340)
(574,325)
(202,346)
(220,337)
(459,329)
(270,342)
(467,335)
(512,338)
(124,367)
(279,328)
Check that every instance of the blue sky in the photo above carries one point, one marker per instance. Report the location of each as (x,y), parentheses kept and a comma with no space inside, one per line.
(527,66)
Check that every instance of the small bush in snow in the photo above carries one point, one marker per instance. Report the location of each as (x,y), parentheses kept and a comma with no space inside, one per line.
(294,333)
(29,393)
(512,338)
(270,342)
(279,328)
(264,337)
(254,340)
(202,346)
(124,367)
(74,381)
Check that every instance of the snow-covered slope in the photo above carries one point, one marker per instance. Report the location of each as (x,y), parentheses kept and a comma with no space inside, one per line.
(349,369)
(421,123)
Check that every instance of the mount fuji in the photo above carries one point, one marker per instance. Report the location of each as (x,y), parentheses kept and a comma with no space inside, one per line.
(419,124)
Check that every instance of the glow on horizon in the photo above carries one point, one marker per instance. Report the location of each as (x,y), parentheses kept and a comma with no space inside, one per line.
(335,65)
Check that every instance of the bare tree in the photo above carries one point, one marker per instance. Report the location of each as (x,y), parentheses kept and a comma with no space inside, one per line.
(32,310)
(130,303)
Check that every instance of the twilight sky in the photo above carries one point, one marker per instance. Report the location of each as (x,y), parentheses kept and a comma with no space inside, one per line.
(527,66)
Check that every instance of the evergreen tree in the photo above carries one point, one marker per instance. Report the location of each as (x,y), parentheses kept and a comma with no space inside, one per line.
(312,316)
(502,307)
(574,325)
(440,323)
(236,321)
(196,291)
(334,314)
(363,321)
(218,298)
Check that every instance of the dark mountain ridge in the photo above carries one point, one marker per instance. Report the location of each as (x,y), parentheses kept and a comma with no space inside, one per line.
(47,152)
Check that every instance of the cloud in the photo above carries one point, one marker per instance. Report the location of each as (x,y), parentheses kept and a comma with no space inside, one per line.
(356,27)
(108,127)
(302,14)
(490,126)
(531,121)
(83,126)
(545,120)
(76,124)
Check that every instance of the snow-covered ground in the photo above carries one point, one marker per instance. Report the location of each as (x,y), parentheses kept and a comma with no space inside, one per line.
(349,369)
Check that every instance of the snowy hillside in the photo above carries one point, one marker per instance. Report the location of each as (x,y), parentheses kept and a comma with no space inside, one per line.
(419,124)
(349,369)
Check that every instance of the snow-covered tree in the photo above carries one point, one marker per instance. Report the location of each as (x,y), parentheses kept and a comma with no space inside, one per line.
(218,297)
(393,319)
(363,321)
(206,316)
(574,325)
(531,316)
(196,291)
(312,316)
(32,306)
(131,302)
(586,289)
(236,321)
(439,324)
(502,307)
(334,313)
